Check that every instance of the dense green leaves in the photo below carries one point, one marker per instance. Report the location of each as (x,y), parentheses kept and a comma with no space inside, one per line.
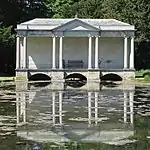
(6,38)
(136,12)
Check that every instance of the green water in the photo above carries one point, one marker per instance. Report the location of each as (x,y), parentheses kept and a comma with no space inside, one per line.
(62,117)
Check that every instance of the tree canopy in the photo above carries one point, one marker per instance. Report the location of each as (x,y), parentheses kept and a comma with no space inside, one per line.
(136,12)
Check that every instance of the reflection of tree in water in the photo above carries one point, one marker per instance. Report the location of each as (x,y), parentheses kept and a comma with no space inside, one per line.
(141,118)
(109,84)
(39,84)
(75,84)
(93,146)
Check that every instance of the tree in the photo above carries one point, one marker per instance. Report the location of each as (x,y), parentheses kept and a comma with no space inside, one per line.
(135,12)
(85,9)
(35,9)
(58,7)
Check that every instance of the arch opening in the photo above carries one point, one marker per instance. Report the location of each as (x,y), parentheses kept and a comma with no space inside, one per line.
(75,77)
(111,77)
(39,77)
(75,80)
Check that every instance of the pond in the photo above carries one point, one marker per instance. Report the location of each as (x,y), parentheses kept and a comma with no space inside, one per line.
(74,116)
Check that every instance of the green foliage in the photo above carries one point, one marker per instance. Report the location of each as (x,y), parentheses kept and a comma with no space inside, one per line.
(6,36)
(58,7)
(135,12)
(85,9)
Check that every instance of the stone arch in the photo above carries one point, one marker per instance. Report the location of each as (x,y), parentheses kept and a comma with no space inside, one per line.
(39,77)
(111,77)
(75,77)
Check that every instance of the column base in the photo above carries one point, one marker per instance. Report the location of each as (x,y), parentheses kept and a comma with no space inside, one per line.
(57,76)
(93,76)
(21,75)
(124,69)
(132,68)
(129,75)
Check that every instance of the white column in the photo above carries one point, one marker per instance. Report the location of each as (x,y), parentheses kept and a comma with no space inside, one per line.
(125,106)
(21,52)
(131,98)
(60,107)
(53,107)
(18,52)
(54,53)
(125,52)
(96,53)
(60,52)
(25,52)
(89,107)
(90,53)
(132,54)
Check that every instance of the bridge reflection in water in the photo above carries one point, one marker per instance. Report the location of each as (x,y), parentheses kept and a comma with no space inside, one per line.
(98,114)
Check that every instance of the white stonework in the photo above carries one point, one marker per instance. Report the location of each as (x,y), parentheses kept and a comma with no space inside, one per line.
(52,46)
(57,76)
(21,75)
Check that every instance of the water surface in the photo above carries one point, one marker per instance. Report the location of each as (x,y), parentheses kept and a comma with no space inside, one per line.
(64,116)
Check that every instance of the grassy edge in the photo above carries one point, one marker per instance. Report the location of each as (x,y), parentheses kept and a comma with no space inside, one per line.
(5,79)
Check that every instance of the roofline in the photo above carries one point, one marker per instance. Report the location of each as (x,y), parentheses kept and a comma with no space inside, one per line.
(72,30)
(73,21)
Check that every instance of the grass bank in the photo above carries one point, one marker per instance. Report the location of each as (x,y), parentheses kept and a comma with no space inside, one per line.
(142,75)
(6,79)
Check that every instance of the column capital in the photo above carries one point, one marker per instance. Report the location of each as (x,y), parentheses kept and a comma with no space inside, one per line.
(20,36)
(61,36)
(89,35)
(126,36)
(53,35)
(98,36)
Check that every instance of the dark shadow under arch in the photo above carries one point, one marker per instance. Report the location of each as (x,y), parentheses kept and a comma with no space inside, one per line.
(39,77)
(75,84)
(111,77)
(38,84)
(75,77)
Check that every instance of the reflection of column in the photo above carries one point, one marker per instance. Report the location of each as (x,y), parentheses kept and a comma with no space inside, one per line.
(89,107)
(96,107)
(23,99)
(60,107)
(53,107)
(131,98)
(21,107)
(17,107)
(31,96)
(125,105)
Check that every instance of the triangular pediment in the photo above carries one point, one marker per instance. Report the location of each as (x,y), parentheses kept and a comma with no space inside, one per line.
(75,25)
